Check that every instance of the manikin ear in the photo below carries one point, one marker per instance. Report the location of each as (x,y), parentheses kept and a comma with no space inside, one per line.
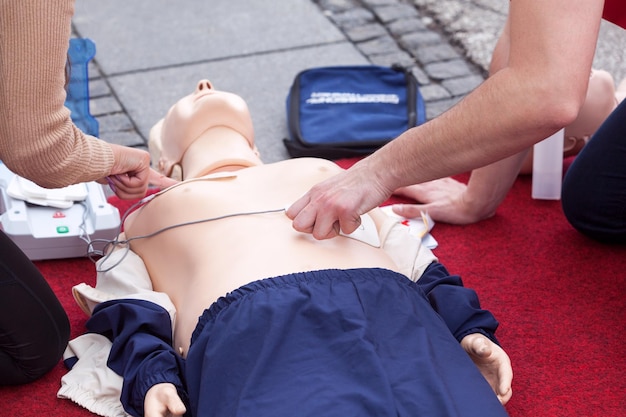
(155,146)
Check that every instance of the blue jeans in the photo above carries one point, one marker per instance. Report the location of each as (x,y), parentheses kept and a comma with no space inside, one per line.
(594,188)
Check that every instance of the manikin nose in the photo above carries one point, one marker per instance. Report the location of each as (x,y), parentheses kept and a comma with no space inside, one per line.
(203,85)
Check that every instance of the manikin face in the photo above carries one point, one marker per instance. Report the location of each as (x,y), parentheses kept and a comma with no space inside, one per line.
(206,108)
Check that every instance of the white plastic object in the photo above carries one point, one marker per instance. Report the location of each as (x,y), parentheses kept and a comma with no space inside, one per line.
(548,167)
(366,232)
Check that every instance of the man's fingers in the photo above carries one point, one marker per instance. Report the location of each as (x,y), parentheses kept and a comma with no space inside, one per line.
(303,216)
(294,210)
(324,229)
(319,227)
(409,211)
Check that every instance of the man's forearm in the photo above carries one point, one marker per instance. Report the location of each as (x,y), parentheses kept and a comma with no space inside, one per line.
(482,129)
(489,185)
(540,90)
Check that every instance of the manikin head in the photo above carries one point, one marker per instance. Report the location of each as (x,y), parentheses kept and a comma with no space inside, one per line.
(205,131)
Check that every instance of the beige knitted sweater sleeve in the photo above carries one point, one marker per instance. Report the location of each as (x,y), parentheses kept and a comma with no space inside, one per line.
(37,137)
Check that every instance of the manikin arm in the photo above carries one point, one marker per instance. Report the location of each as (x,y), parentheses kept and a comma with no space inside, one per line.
(472,326)
(142,351)
(540,91)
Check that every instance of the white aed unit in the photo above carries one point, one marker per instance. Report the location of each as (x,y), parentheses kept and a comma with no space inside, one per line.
(58,223)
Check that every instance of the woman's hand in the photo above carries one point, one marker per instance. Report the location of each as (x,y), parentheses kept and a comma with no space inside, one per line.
(131,173)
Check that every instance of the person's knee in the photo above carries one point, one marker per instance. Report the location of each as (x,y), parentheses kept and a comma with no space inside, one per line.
(582,212)
(35,356)
(20,371)
(599,103)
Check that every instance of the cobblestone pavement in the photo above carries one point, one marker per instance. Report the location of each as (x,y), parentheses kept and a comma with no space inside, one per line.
(475,25)
(385,31)
(396,31)
(446,43)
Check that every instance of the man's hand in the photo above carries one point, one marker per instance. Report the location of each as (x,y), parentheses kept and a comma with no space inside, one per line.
(336,205)
(162,400)
(445,200)
(442,199)
(131,173)
(493,363)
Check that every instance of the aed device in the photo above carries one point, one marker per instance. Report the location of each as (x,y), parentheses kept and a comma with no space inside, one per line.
(54,224)
(60,223)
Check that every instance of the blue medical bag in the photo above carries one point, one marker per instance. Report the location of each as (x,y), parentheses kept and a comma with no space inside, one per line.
(344,111)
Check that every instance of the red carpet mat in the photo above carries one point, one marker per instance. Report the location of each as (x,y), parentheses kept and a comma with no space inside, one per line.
(560,299)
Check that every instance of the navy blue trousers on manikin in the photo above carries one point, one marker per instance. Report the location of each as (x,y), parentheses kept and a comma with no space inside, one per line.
(362,342)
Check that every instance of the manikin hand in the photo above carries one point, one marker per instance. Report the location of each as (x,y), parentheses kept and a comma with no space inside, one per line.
(162,400)
(131,173)
(493,363)
(336,204)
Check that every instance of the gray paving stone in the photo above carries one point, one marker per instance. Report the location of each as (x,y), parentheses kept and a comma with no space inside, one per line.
(476,24)
(502,7)
(352,18)
(448,69)
(408,25)
(420,75)
(92,70)
(114,123)
(435,53)
(462,85)
(434,92)
(126,138)
(104,105)
(336,5)
(382,45)
(162,33)
(416,40)
(392,13)
(436,108)
(366,32)
(375,3)
(98,87)
(391,58)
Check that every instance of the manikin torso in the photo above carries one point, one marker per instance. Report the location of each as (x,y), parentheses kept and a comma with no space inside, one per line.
(198,263)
